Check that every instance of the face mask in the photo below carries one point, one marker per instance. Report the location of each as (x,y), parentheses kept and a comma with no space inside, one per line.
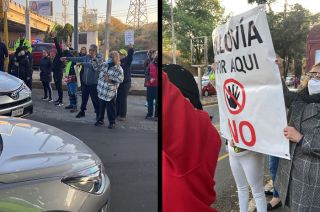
(314,86)
(110,60)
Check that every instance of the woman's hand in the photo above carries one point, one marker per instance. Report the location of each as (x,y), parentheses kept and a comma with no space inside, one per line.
(106,78)
(292,134)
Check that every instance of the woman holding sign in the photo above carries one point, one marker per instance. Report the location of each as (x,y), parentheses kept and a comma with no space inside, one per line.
(298,179)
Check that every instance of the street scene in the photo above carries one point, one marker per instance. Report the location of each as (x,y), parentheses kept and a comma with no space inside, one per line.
(78,105)
(251,65)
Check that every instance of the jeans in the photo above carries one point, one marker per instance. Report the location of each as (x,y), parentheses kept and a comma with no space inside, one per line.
(152,93)
(1,65)
(122,95)
(273,167)
(47,89)
(72,90)
(111,110)
(247,170)
(92,91)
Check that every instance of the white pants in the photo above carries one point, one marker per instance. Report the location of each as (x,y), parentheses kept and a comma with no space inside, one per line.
(248,170)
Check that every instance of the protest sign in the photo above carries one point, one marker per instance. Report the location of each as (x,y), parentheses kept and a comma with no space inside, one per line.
(248,84)
(129,37)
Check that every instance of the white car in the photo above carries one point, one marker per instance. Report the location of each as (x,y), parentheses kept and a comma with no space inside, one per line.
(43,168)
(15,96)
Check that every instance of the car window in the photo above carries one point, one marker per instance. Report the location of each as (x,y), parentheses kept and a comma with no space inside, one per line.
(140,56)
(40,48)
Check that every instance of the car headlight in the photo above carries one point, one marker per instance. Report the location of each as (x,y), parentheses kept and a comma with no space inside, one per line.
(89,180)
(24,89)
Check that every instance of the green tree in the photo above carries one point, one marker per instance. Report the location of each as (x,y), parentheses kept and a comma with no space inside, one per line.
(192,18)
(67,32)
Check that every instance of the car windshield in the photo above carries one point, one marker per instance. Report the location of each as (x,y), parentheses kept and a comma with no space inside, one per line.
(140,56)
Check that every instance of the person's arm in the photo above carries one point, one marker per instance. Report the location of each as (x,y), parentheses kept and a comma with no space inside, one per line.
(129,58)
(28,45)
(56,43)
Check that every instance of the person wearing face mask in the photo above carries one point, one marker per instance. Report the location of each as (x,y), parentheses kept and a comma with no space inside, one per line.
(110,77)
(92,64)
(297,179)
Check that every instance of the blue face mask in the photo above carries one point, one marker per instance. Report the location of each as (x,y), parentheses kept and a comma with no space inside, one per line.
(110,60)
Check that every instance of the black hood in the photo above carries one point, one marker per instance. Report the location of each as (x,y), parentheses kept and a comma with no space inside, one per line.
(185,81)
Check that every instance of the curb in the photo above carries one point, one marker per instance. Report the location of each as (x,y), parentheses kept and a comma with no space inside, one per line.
(38,85)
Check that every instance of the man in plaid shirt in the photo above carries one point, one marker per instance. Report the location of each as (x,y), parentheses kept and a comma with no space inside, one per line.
(110,77)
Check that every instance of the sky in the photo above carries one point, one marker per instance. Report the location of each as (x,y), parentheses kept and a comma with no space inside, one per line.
(238,6)
(119,9)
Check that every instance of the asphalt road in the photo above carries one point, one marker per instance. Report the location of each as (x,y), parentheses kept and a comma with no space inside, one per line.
(128,152)
(225,187)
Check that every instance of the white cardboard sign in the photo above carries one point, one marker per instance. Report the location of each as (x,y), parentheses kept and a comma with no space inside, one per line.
(248,84)
(129,37)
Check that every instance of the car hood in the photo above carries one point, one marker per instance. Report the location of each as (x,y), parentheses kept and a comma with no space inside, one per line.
(32,150)
(8,82)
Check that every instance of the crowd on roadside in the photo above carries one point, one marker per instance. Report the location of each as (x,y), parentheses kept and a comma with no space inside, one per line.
(107,83)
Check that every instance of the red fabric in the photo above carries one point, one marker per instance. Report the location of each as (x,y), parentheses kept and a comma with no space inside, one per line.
(153,81)
(190,149)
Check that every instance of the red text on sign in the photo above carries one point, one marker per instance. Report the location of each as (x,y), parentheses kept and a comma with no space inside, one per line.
(234,132)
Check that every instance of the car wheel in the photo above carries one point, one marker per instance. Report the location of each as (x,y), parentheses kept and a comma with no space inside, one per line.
(206,93)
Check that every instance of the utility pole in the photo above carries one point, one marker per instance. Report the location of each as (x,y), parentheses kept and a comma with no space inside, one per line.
(107,33)
(5,7)
(65,4)
(173,38)
(28,33)
(75,26)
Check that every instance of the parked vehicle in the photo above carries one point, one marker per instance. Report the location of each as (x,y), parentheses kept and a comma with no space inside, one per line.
(208,89)
(43,168)
(37,52)
(137,65)
(15,96)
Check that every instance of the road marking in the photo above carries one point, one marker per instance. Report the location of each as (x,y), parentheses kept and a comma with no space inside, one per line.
(223,156)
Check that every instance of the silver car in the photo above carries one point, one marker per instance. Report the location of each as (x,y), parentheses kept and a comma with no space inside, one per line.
(15,96)
(43,168)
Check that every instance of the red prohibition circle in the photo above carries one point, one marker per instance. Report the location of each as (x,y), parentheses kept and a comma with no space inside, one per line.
(240,106)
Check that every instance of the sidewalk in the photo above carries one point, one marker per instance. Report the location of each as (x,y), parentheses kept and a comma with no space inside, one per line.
(210,100)
(137,84)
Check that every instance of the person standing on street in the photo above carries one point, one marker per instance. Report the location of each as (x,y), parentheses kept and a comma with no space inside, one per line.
(19,66)
(92,64)
(152,87)
(83,52)
(298,179)
(24,45)
(124,87)
(45,75)
(109,79)
(3,55)
(57,69)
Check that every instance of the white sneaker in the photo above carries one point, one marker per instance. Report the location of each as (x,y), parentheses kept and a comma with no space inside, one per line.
(59,105)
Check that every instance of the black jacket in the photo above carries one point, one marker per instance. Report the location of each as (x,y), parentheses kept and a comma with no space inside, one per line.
(57,64)
(19,66)
(125,64)
(3,52)
(45,69)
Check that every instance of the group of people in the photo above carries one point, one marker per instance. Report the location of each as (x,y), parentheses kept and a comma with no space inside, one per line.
(188,181)
(106,82)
